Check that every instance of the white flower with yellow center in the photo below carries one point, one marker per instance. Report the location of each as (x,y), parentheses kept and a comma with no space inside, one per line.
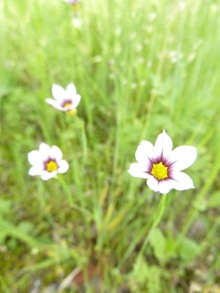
(162,166)
(65,99)
(47,162)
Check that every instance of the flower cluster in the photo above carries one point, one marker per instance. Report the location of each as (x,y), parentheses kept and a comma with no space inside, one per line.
(47,162)
(159,164)
(162,166)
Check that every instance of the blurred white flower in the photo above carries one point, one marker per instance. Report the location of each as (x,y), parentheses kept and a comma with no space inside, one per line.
(74,2)
(143,82)
(47,162)
(162,166)
(64,100)
(134,85)
(175,56)
(191,56)
(77,22)
(139,47)
(152,16)
(182,5)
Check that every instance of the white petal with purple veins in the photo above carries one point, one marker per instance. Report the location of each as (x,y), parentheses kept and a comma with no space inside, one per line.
(39,158)
(163,145)
(166,171)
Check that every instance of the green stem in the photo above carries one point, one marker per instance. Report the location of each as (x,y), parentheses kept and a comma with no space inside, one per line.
(157,219)
(69,195)
(156,222)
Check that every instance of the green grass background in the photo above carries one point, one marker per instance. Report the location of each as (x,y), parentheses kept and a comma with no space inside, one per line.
(140,67)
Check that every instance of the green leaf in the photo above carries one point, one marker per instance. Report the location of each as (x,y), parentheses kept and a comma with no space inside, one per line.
(187,249)
(145,277)
(25,227)
(214,200)
(158,242)
(200,204)
(3,235)
(171,248)
(140,271)
(5,207)
(154,282)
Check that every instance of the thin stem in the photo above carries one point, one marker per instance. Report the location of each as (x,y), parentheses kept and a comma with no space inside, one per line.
(157,219)
(69,195)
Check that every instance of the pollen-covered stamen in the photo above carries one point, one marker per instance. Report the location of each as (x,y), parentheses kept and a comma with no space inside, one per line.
(160,171)
(67,104)
(51,166)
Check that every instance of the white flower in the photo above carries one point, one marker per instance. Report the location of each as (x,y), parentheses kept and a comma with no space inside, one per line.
(162,166)
(64,99)
(175,56)
(77,22)
(74,2)
(47,162)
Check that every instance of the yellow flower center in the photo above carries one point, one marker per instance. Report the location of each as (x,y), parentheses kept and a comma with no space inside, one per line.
(67,104)
(51,166)
(159,171)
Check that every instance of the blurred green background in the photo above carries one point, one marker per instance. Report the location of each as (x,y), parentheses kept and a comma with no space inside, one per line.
(140,67)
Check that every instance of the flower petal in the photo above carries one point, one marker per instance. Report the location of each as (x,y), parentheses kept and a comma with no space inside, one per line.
(183,157)
(55,153)
(70,90)
(181,181)
(75,100)
(153,184)
(165,186)
(138,170)
(34,157)
(54,103)
(144,152)
(36,170)
(163,145)
(63,166)
(44,148)
(58,92)
(48,175)
(162,186)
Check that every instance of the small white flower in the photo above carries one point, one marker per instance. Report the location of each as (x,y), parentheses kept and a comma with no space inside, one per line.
(175,56)
(74,2)
(64,99)
(162,166)
(77,22)
(47,162)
